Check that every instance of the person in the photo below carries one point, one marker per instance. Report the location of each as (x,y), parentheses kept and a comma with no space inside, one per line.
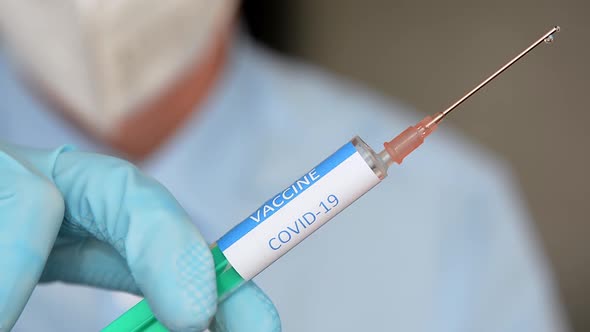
(223,123)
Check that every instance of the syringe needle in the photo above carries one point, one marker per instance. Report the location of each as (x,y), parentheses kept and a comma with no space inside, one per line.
(547,38)
(407,141)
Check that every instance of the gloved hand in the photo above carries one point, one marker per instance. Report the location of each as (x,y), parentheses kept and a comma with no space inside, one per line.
(96,220)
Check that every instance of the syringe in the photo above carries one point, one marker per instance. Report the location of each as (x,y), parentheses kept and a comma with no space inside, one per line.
(290,216)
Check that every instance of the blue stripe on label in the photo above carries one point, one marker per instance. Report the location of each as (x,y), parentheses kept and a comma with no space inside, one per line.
(284,197)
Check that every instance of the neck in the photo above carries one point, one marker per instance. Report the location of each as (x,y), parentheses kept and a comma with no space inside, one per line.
(145,130)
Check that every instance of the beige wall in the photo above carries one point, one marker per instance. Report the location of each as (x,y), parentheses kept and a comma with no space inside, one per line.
(428,53)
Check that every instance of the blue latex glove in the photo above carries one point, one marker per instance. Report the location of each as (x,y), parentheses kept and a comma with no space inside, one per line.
(96,220)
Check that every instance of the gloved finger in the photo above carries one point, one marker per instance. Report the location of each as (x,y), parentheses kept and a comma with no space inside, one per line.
(247,310)
(97,264)
(31,211)
(168,259)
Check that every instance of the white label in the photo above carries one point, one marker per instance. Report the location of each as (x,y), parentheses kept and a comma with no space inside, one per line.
(296,212)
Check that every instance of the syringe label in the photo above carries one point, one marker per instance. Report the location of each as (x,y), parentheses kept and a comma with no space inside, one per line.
(284,197)
(296,212)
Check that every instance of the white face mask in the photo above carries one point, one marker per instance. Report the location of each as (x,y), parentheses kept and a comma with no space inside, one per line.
(104,58)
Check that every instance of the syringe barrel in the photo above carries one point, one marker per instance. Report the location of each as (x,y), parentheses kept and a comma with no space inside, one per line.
(295,212)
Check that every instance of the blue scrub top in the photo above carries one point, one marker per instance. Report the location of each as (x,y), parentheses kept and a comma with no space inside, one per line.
(444,244)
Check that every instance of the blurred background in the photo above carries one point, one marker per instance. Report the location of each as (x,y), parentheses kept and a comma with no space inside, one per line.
(428,53)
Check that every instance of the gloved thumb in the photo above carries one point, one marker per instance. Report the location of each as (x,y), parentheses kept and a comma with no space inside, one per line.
(168,259)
